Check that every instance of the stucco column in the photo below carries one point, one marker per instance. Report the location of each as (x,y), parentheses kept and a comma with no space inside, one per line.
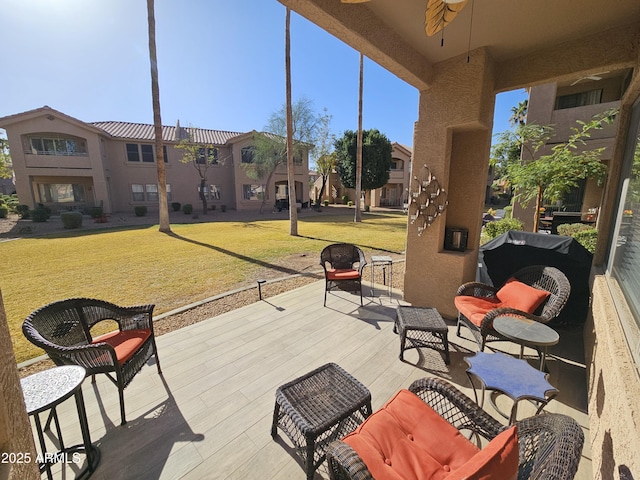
(16,439)
(452,137)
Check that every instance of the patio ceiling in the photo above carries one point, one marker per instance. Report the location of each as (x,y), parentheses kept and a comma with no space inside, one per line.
(580,38)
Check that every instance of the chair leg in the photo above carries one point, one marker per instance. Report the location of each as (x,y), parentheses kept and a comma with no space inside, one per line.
(325,297)
(122,414)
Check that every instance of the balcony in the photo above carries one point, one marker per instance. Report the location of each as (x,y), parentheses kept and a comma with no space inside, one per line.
(209,416)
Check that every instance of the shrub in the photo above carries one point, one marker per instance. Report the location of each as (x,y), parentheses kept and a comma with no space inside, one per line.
(23,211)
(570,229)
(350,203)
(140,210)
(4,211)
(345,199)
(213,207)
(187,208)
(95,212)
(223,208)
(71,219)
(326,203)
(508,211)
(494,229)
(40,213)
(587,238)
(176,206)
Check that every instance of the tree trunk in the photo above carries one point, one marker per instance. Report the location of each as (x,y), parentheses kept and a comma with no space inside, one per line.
(536,215)
(293,211)
(358,214)
(203,196)
(322,189)
(163,208)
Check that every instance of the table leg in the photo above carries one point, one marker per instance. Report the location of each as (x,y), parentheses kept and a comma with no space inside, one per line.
(43,447)
(92,453)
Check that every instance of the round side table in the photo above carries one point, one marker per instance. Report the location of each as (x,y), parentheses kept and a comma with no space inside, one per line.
(527,332)
(44,391)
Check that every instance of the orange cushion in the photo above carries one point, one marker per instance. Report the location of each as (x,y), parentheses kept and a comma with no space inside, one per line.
(342,274)
(475,308)
(408,440)
(521,296)
(497,461)
(125,343)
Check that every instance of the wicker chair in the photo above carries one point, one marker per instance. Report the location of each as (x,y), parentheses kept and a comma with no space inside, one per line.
(340,271)
(63,330)
(550,445)
(541,277)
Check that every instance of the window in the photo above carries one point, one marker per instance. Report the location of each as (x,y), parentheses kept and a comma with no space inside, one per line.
(297,160)
(252,192)
(147,153)
(152,192)
(396,164)
(624,261)
(61,192)
(207,154)
(137,192)
(52,145)
(247,154)
(214,192)
(136,152)
(169,196)
(592,97)
(132,152)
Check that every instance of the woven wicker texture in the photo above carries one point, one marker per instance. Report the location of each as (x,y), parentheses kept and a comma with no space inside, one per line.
(63,330)
(421,327)
(342,256)
(550,444)
(545,278)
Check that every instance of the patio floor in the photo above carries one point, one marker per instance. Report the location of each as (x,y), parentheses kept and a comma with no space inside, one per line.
(209,415)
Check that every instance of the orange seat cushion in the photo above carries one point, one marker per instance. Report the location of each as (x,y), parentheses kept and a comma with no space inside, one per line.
(407,440)
(521,296)
(342,274)
(126,343)
(475,308)
(498,460)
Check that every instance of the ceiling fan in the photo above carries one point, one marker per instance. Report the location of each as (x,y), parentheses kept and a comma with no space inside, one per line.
(595,76)
(439,13)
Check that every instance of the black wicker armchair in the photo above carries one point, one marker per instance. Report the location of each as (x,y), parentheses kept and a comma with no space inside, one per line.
(343,264)
(480,319)
(550,445)
(63,330)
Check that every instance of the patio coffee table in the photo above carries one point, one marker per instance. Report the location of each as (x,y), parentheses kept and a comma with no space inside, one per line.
(318,408)
(527,332)
(511,376)
(421,327)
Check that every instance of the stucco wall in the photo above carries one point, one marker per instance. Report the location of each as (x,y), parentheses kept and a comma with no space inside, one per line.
(614,390)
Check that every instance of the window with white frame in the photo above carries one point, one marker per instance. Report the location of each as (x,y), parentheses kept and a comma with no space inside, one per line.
(143,152)
(147,153)
(151,190)
(214,192)
(252,192)
(137,192)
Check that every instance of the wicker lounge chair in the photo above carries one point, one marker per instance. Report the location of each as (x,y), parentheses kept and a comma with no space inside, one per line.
(63,330)
(550,445)
(479,304)
(343,264)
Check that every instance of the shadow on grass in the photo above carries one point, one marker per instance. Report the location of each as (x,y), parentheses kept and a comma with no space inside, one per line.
(245,258)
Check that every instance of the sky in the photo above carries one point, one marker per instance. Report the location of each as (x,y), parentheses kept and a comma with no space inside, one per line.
(220,64)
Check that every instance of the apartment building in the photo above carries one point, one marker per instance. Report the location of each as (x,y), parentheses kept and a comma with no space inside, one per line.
(68,164)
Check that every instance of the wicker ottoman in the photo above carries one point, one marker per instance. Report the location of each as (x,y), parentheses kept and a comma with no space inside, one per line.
(318,408)
(421,327)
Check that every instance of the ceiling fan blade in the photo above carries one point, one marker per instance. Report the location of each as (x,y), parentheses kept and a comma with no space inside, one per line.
(354,1)
(439,14)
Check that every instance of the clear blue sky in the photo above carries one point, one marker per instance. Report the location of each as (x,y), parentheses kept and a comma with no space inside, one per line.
(221,66)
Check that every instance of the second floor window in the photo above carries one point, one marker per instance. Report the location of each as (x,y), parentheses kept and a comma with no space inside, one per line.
(208,154)
(592,97)
(66,146)
(144,152)
(247,154)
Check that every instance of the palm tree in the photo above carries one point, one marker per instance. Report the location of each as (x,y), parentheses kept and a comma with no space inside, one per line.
(358,214)
(519,113)
(293,212)
(165,226)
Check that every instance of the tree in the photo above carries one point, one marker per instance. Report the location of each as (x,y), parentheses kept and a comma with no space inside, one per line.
(322,154)
(358,214)
(6,170)
(270,147)
(550,175)
(201,156)
(293,211)
(376,159)
(519,113)
(163,208)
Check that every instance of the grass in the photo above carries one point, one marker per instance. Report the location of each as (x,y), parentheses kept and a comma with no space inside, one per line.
(196,261)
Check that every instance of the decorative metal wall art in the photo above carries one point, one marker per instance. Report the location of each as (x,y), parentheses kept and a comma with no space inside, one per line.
(427,200)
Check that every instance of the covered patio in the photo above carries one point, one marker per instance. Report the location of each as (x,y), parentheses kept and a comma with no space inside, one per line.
(209,415)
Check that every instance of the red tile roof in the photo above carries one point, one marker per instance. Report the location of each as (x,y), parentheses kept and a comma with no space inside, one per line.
(143,131)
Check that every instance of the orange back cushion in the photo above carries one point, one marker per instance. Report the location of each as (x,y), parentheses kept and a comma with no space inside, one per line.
(521,296)
(126,343)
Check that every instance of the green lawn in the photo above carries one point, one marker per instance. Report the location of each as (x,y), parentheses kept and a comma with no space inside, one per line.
(139,266)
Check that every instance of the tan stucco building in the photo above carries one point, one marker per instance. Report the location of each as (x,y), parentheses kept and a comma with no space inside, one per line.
(505,46)
(65,163)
